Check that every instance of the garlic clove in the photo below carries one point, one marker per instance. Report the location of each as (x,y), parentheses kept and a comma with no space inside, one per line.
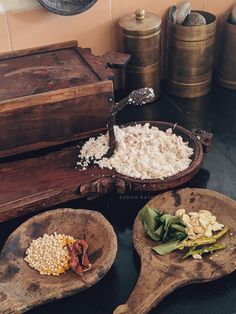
(180,212)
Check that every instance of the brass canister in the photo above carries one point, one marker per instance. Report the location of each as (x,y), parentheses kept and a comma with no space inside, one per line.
(141,34)
(226,68)
(139,77)
(190,53)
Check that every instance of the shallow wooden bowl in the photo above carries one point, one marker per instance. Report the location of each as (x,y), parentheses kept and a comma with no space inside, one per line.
(160,275)
(57,179)
(22,287)
(151,184)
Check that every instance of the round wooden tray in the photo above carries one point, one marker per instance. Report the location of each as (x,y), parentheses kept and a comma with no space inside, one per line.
(67,7)
(111,179)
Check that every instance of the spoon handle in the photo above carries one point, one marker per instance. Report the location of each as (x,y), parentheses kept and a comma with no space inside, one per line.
(110,124)
(137,97)
(150,289)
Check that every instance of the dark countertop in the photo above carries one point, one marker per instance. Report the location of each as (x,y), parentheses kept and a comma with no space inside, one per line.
(215,112)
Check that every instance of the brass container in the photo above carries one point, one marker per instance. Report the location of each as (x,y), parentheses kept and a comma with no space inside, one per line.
(141,34)
(226,69)
(190,52)
(139,77)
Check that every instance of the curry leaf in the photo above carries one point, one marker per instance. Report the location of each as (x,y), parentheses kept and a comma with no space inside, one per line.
(166,247)
(178,227)
(165,228)
(159,231)
(153,235)
(148,215)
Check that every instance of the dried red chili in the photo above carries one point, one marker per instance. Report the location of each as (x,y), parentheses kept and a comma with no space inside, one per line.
(79,261)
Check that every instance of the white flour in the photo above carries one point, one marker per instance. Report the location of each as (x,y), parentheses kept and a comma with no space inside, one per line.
(142,152)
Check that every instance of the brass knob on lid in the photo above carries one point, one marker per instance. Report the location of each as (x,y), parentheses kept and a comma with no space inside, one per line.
(140,14)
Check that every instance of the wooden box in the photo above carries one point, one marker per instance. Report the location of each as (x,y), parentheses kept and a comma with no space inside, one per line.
(53,94)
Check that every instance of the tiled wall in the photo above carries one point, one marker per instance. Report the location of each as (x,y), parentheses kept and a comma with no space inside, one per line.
(26,24)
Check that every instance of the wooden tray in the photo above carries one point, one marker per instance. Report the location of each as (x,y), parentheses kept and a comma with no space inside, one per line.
(53,94)
(160,275)
(22,287)
(36,183)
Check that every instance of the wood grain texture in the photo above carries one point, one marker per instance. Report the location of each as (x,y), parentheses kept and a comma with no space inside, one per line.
(51,95)
(48,124)
(41,72)
(31,51)
(56,179)
(160,275)
(22,287)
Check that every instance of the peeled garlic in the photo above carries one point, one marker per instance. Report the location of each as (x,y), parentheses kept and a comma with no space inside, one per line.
(195,222)
(217,227)
(185,218)
(194,214)
(208,231)
(180,212)
(199,230)
(199,224)
(203,221)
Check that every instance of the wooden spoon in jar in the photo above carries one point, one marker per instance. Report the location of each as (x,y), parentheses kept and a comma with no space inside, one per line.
(160,275)
(22,287)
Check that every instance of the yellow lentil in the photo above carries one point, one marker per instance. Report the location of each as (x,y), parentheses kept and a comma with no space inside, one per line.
(48,254)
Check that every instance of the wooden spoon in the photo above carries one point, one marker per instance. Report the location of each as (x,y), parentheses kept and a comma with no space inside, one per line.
(22,287)
(160,275)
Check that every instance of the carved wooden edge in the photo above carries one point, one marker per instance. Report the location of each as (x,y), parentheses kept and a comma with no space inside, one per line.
(41,49)
(101,65)
(73,10)
(206,139)
(105,185)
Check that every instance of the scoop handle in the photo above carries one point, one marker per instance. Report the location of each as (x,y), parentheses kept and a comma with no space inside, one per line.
(149,290)
(112,118)
(206,139)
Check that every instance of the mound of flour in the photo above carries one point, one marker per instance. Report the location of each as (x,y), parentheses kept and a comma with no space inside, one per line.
(142,152)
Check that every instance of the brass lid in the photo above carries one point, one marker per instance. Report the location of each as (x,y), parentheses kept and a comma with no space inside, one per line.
(140,23)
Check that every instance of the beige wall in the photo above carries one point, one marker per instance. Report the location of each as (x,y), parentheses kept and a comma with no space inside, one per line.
(95,28)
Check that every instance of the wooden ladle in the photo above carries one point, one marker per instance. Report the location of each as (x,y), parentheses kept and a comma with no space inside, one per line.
(160,275)
(22,287)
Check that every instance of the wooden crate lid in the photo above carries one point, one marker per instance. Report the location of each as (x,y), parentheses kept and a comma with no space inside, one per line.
(51,68)
(53,94)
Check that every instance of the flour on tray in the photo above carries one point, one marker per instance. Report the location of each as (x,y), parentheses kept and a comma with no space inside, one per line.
(142,152)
